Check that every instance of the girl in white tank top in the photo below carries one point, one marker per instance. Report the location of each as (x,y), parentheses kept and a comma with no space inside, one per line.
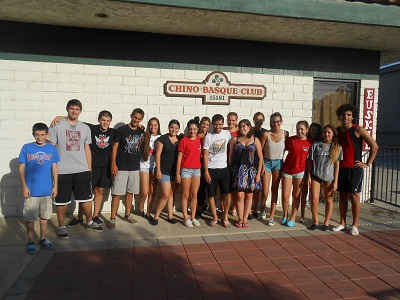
(273,146)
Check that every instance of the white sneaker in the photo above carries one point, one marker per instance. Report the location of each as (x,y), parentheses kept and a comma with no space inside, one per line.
(271,222)
(338,228)
(195,222)
(188,223)
(354,230)
(263,214)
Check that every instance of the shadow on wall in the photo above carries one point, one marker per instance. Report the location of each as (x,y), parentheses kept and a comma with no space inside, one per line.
(11,199)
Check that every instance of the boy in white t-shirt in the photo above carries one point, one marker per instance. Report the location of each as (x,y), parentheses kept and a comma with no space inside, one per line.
(216,172)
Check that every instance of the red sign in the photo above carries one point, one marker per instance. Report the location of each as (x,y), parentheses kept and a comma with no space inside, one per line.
(368,118)
(215,89)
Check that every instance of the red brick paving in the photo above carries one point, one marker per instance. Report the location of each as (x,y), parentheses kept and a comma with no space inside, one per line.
(312,267)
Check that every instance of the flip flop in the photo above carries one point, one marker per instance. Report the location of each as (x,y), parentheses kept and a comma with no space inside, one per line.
(226,224)
(212,223)
(245,225)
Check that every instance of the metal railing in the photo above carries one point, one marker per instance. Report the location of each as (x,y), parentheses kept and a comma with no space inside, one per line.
(385,185)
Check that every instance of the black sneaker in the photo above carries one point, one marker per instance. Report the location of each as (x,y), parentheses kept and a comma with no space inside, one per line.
(255,215)
(325,228)
(250,217)
(62,233)
(154,222)
(95,227)
(313,227)
(74,222)
(172,221)
(199,215)
(98,220)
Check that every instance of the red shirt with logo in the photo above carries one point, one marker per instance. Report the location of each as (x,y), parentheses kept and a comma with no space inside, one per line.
(191,150)
(295,161)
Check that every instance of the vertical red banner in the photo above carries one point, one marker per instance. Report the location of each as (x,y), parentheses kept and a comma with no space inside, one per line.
(368,117)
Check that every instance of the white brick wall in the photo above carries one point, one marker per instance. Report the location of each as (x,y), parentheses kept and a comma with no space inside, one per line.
(33,92)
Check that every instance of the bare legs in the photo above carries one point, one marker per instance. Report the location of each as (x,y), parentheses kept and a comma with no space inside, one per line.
(244,207)
(296,194)
(355,207)
(190,187)
(168,190)
(314,201)
(148,185)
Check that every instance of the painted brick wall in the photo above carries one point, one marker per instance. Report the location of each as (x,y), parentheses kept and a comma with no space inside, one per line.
(42,67)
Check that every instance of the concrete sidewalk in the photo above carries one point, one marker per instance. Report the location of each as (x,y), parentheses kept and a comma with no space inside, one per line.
(32,276)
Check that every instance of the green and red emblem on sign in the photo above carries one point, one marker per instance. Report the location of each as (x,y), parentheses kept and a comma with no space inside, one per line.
(215,89)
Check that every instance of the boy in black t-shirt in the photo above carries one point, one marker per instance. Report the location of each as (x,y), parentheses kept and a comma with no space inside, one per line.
(102,142)
(125,165)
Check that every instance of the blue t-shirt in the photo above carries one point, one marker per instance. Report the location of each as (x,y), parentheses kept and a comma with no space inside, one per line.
(38,162)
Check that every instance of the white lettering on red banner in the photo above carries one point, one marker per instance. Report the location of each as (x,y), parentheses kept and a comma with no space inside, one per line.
(368,117)
(215,89)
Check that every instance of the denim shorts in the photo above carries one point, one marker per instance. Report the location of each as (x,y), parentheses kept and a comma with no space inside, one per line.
(273,164)
(297,175)
(167,178)
(189,173)
(147,170)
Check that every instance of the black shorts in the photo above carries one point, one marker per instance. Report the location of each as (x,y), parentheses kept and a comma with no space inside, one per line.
(202,193)
(79,183)
(219,178)
(350,180)
(101,177)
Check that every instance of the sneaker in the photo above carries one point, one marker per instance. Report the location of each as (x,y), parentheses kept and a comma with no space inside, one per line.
(338,228)
(250,217)
(290,223)
(111,224)
(195,222)
(30,248)
(263,215)
(154,222)
(46,245)
(199,215)
(95,227)
(172,221)
(284,221)
(354,230)
(98,220)
(74,222)
(62,233)
(313,227)
(302,220)
(325,228)
(188,223)
(271,222)
(234,212)
(255,215)
(129,219)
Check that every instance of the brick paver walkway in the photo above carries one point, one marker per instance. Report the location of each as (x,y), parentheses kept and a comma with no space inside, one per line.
(253,266)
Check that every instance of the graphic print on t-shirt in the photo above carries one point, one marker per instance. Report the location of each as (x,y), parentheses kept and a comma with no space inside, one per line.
(217,146)
(102,141)
(132,144)
(40,157)
(73,140)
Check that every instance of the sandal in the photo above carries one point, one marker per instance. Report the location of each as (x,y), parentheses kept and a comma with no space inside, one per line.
(212,223)
(245,225)
(239,224)
(234,212)
(226,224)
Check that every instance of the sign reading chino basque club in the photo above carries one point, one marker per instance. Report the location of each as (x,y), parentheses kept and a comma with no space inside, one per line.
(215,89)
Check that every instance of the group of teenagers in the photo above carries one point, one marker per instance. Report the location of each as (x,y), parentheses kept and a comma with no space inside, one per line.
(244,161)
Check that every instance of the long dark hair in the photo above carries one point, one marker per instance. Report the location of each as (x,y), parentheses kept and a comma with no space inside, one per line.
(248,123)
(146,139)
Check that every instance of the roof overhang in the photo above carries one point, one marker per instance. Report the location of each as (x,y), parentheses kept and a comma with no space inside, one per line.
(334,23)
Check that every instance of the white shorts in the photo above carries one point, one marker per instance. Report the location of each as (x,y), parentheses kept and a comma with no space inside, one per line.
(35,207)
(126,182)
